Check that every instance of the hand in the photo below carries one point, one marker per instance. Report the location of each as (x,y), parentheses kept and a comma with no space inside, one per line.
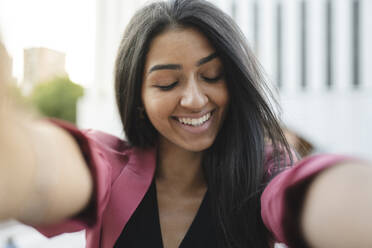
(36,157)
(337,209)
(17,159)
(4,105)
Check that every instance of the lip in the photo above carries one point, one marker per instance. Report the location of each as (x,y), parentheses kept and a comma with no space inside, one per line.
(195,116)
(195,129)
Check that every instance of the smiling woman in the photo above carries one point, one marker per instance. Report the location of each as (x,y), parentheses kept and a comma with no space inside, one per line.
(206,163)
(185,101)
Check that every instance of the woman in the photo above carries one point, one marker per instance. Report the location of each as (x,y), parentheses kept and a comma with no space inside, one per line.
(203,163)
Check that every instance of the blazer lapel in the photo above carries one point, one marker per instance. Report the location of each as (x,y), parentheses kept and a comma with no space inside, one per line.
(127,193)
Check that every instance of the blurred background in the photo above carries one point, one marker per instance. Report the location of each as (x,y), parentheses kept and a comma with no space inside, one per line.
(316,53)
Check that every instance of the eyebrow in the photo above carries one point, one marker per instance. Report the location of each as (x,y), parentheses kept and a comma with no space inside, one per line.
(206,59)
(179,67)
(166,67)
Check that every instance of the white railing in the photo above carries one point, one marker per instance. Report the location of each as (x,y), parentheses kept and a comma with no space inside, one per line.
(319,53)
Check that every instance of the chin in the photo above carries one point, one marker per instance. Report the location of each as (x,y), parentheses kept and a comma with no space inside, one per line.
(197,146)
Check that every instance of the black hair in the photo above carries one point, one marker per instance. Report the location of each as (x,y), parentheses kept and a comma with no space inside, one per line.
(234,164)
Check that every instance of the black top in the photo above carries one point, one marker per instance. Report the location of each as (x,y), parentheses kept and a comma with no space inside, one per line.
(143,228)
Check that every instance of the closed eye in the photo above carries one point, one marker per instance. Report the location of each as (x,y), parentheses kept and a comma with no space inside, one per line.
(167,87)
(212,79)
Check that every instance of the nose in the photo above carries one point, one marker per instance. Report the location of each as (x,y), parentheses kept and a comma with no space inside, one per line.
(193,96)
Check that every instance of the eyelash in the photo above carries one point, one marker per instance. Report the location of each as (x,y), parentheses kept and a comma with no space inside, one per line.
(167,87)
(212,80)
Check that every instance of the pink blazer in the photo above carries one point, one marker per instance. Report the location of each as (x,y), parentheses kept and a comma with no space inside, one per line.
(123,174)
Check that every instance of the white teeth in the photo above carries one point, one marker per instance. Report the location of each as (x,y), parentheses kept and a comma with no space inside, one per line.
(194,121)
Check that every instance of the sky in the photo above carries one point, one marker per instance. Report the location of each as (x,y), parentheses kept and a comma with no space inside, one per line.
(64,25)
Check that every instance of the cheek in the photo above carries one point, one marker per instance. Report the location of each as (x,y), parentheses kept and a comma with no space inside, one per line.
(158,108)
(221,96)
(225,98)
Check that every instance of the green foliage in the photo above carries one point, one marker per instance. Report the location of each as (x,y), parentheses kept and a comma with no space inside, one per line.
(57,98)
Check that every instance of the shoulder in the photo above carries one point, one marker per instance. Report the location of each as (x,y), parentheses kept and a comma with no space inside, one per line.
(93,138)
(106,141)
(106,150)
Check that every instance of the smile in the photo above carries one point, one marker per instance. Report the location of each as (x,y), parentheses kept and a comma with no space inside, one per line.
(195,121)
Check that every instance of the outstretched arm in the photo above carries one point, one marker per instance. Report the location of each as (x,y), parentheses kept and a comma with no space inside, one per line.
(43,175)
(321,201)
(337,210)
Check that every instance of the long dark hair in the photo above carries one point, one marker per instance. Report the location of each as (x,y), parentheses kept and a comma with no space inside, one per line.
(234,164)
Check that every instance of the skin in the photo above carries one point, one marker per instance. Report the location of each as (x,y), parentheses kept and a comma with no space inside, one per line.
(36,158)
(41,166)
(337,208)
(189,94)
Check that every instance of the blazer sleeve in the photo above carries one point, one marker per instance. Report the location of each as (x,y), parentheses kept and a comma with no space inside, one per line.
(99,166)
(282,199)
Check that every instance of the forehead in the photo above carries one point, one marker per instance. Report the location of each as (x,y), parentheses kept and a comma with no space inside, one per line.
(177,45)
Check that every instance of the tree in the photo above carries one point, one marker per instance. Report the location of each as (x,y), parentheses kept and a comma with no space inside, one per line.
(57,98)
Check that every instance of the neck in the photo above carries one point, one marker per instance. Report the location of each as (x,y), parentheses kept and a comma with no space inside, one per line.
(179,170)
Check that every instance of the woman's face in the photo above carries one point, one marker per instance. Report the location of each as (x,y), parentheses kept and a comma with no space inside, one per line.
(184,90)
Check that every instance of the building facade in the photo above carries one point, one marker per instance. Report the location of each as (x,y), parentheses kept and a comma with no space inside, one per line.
(42,64)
